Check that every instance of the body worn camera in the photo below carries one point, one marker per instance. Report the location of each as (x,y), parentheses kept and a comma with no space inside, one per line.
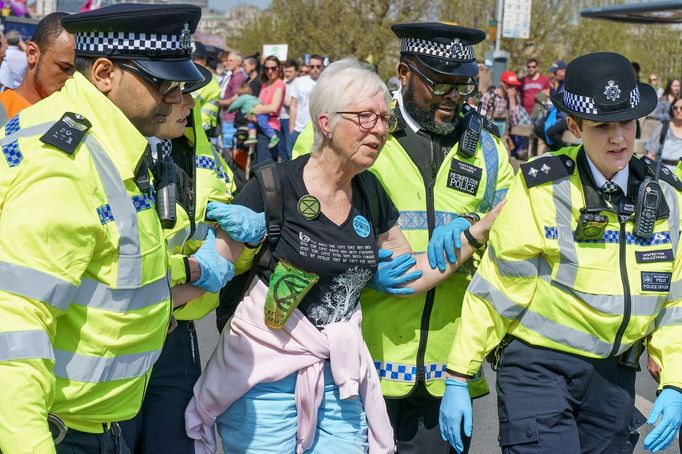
(471,132)
(646,208)
(591,225)
(164,174)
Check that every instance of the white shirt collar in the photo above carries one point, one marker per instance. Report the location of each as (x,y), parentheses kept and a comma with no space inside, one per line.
(621,178)
(414,126)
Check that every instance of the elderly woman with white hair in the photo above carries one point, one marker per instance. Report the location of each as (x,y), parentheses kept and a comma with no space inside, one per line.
(291,373)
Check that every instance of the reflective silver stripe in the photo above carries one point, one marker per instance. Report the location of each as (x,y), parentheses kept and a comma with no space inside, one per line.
(200,231)
(125,216)
(675,290)
(33,344)
(514,268)
(642,305)
(98,295)
(36,284)
(563,334)
(503,305)
(670,316)
(567,271)
(27,132)
(177,241)
(92,369)
(3,115)
(674,216)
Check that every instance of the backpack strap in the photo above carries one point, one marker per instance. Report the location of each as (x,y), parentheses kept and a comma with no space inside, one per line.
(369,193)
(665,125)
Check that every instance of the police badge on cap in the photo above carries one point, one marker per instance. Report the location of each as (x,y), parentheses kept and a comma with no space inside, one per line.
(602,87)
(444,48)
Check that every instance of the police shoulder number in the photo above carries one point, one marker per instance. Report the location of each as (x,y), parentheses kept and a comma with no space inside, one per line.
(67,133)
(547,168)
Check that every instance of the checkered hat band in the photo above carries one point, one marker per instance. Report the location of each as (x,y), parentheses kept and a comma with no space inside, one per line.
(586,104)
(451,51)
(100,42)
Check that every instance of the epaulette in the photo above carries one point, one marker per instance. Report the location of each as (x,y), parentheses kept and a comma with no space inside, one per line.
(547,168)
(67,133)
(490,126)
(666,174)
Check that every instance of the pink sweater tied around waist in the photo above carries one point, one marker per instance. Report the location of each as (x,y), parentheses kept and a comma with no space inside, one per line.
(250,353)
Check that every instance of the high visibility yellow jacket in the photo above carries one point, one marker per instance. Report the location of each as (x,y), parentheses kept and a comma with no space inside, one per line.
(213,182)
(592,298)
(84,285)
(208,103)
(411,337)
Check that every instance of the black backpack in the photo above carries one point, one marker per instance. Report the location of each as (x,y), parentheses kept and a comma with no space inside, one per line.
(268,179)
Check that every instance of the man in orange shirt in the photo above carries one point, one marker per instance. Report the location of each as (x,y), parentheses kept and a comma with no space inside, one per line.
(50,55)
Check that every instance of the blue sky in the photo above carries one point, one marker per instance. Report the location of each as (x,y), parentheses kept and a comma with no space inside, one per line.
(227,4)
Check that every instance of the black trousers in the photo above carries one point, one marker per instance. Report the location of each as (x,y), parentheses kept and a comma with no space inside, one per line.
(109,442)
(159,427)
(549,401)
(415,424)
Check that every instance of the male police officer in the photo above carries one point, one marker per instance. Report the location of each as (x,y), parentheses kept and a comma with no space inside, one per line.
(439,189)
(84,291)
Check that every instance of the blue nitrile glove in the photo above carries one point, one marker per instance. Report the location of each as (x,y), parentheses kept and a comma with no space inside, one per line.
(668,404)
(241,223)
(215,269)
(455,407)
(390,274)
(444,240)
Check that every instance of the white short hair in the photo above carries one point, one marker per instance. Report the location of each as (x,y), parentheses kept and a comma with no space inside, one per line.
(342,84)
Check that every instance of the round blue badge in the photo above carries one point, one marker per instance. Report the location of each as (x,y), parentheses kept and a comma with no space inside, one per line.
(361,226)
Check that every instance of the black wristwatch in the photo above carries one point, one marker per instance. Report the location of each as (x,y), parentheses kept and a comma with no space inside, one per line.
(472,217)
(472,241)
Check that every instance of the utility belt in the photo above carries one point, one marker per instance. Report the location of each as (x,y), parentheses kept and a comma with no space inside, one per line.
(629,358)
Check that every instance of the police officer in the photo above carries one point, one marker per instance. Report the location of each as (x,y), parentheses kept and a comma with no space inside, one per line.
(440,187)
(84,289)
(583,263)
(208,96)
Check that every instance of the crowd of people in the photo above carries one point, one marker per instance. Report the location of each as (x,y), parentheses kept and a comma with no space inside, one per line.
(382,248)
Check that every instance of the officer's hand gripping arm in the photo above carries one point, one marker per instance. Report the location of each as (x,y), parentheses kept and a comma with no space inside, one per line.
(241,223)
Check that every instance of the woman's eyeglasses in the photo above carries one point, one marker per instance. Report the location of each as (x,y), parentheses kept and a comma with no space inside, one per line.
(164,87)
(440,88)
(271,68)
(368,119)
(677,108)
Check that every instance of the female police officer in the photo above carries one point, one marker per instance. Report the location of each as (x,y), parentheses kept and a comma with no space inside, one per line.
(582,264)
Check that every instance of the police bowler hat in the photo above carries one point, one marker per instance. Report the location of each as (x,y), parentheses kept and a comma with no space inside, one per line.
(602,87)
(445,49)
(157,37)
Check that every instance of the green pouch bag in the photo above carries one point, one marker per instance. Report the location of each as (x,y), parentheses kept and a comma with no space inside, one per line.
(288,286)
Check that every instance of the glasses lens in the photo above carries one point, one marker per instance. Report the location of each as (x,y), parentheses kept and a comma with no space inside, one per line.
(367,119)
(271,68)
(315,66)
(392,122)
(167,86)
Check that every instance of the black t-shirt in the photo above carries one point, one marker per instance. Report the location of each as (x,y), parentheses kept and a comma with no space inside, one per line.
(344,256)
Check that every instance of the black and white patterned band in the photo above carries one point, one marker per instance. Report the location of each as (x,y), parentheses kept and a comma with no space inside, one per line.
(103,42)
(455,50)
(586,104)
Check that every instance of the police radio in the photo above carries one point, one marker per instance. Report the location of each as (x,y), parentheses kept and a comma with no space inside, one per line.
(164,173)
(471,132)
(646,207)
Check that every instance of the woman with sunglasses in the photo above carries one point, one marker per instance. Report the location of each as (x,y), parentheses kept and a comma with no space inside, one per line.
(304,381)
(669,149)
(272,98)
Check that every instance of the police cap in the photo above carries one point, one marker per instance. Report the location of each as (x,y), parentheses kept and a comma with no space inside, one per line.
(157,37)
(444,48)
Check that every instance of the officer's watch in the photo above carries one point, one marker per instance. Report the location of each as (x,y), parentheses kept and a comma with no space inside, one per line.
(472,241)
(473,218)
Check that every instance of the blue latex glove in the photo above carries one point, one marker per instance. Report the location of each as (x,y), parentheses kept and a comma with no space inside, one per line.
(668,404)
(241,223)
(444,240)
(390,274)
(215,269)
(455,407)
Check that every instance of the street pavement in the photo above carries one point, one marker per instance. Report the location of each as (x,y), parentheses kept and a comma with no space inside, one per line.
(485,409)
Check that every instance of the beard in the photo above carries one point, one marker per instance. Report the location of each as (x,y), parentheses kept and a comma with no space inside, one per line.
(427,118)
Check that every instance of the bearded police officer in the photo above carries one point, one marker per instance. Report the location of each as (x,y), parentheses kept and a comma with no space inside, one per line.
(583,263)
(84,288)
(441,184)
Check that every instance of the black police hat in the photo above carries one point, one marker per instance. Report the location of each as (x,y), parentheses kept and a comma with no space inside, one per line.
(602,87)
(200,50)
(157,37)
(444,48)
(199,84)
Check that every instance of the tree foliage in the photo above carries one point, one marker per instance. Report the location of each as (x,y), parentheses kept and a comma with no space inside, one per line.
(362,28)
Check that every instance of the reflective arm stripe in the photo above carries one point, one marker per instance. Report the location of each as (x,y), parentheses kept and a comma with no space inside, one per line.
(669,316)
(568,255)
(514,268)
(200,231)
(33,344)
(92,369)
(37,285)
(95,294)
(505,307)
(31,131)
(491,159)
(674,216)
(675,290)
(417,220)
